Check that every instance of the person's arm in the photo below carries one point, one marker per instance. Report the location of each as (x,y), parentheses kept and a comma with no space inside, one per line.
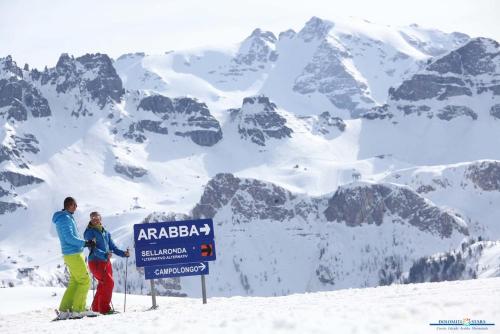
(69,234)
(88,235)
(115,249)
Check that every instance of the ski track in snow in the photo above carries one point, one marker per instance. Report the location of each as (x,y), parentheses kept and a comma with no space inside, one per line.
(391,309)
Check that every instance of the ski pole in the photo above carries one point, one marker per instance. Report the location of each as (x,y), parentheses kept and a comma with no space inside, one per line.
(126,269)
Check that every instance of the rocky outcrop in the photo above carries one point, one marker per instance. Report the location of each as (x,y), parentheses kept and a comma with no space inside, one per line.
(495,111)
(258,121)
(18,179)
(315,29)
(381,112)
(91,75)
(430,86)
(13,180)
(15,146)
(184,117)
(259,47)
(255,55)
(459,73)
(444,87)
(328,124)
(327,74)
(131,172)
(485,175)
(478,56)
(250,199)
(18,97)
(365,203)
(416,110)
(354,205)
(7,207)
(450,112)
(9,68)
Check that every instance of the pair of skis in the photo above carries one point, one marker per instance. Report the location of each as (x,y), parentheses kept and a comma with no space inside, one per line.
(75,318)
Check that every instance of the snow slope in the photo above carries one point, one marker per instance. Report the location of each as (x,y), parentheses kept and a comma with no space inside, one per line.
(394,309)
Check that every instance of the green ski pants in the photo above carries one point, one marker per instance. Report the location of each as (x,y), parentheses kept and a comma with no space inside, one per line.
(75,297)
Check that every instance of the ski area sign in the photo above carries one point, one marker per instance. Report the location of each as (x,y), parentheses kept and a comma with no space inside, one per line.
(176,270)
(176,242)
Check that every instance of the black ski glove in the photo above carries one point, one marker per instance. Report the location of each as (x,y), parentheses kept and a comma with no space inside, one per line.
(90,243)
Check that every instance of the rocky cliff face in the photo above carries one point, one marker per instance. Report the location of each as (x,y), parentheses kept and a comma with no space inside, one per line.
(91,74)
(257,49)
(250,200)
(485,175)
(90,78)
(354,205)
(361,204)
(19,99)
(184,117)
(328,74)
(258,121)
(10,182)
(447,86)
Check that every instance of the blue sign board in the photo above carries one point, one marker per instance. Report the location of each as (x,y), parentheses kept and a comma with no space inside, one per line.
(159,254)
(176,242)
(176,270)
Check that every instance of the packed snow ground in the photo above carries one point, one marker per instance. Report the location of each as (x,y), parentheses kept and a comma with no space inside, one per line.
(390,309)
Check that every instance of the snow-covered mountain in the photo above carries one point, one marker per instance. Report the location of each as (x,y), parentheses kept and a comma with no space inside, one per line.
(331,157)
(473,259)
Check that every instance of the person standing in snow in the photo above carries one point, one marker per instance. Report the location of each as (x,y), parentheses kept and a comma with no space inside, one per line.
(100,264)
(73,303)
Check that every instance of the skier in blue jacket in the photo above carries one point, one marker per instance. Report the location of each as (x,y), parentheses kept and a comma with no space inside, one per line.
(99,263)
(75,297)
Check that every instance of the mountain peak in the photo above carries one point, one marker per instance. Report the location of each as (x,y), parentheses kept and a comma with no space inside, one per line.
(266,35)
(290,33)
(7,64)
(315,28)
(259,47)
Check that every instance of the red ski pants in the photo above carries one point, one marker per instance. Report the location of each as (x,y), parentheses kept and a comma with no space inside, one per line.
(103,273)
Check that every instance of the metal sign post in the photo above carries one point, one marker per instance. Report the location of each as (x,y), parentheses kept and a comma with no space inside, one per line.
(153,294)
(203,289)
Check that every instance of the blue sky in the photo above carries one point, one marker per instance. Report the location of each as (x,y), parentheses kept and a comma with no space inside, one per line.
(37,32)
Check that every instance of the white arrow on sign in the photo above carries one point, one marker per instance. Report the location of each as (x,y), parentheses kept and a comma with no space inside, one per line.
(205,229)
(202,266)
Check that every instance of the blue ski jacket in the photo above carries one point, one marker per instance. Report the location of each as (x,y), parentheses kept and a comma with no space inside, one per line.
(67,232)
(104,244)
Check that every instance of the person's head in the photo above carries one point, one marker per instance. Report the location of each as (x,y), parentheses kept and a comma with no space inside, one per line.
(70,204)
(95,218)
